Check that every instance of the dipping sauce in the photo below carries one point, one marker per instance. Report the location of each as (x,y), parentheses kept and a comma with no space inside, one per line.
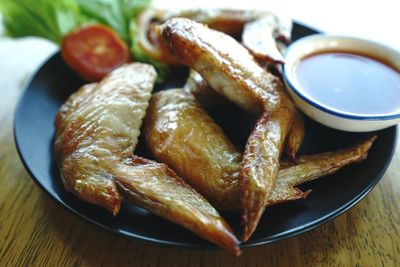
(349,83)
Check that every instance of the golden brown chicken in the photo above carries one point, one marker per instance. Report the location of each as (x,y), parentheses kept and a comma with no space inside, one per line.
(208,98)
(295,136)
(234,21)
(101,123)
(259,37)
(224,63)
(232,71)
(96,133)
(263,32)
(311,167)
(260,163)
(157,188)
(180,133)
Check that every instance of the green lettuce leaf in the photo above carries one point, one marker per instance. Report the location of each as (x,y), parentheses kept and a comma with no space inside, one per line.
(116,14)
(50,19)
(53,19)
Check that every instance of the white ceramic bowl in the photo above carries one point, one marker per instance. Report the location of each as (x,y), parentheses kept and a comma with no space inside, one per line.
(332,118)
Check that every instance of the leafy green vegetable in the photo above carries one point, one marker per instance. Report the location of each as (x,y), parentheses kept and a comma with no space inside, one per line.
(50,19)
(116,14)
(53,19)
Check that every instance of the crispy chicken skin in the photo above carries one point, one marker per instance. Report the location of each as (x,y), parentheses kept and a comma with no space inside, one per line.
(259,37)
(233,21)
(259,192)
(295,136)
(224,63)
(202,91)
(97,131)
(73,102)
(309,167)
(260,165)
(101,123)
(179,133)
(229,21)
(234,73)
(157,188)
(211,100)
(172,139)
(262,31)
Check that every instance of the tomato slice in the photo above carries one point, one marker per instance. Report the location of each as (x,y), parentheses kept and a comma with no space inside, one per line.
(93,51)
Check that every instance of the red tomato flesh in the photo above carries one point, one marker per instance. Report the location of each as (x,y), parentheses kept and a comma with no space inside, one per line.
(93,51)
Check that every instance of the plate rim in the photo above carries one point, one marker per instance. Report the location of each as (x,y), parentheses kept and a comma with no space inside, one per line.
(184,245)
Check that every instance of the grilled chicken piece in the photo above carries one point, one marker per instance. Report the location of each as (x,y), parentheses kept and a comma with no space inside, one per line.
(97,132)
(157,188)
(101,123)
(204,94)
(210,100)
(233,21)
(224,63)
(234,73)
(73,102)
(179,133)
(295,136)
(260,163)
(311,167)
(260,36)
(276,29)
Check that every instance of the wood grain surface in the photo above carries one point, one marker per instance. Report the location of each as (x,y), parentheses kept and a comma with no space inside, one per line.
(35,231)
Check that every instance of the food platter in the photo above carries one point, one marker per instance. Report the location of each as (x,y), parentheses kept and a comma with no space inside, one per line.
(331,196)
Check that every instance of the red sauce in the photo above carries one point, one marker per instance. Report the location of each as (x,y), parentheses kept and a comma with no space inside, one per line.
(350,83)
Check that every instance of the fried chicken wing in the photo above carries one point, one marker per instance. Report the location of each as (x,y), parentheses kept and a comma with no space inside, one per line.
(259,37)
(260,165)
(158,189)
(189,150)
(97,132)
(73,102)
(179,133)
(101,123)
(210,100)
(231,21)
(295,136)
(234,73)
(224,63)
(270,29)
(308,167)
(202,91)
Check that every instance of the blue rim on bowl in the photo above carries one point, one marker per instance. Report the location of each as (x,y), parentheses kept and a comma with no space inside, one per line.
(327,43)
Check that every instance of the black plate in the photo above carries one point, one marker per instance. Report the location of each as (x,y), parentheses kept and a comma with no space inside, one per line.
(331,196)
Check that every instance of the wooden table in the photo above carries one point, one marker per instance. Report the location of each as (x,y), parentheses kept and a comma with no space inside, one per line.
(34,231)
